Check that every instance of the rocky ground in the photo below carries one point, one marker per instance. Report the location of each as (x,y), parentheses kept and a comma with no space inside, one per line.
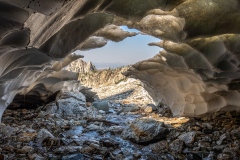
(122,123)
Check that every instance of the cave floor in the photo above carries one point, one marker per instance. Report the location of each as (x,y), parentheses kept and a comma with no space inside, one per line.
(97,133)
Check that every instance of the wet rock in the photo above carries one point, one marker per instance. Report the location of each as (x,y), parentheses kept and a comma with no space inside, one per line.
(42,135)
(188,137)
(104,106)
(145,130)
(176,146)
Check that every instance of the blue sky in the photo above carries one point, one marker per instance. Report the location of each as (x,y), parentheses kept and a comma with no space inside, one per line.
(128,51)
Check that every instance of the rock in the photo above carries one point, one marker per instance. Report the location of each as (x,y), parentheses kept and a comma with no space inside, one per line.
(67,104)
(188,137)
(223,156)
(104,106)
(66,107)
(222,137)
(8,148)
(1,157)
(42,114)
(116,129)
(192,156)
(154,107)
(109,142)
(97,157)
(218,148)
(93,127)
(88,104)
(145,130)
(25,149)
(128,108)
(75,131)
(148,109)
(24,139)
(207,125)
(81,66)
(236,133)
(204,145)
(42,135)
(75,157)
(102,112)
(35,157)
(67,149)
(158,147)
(207,131)
(64,94)
(7,130)
(176,146)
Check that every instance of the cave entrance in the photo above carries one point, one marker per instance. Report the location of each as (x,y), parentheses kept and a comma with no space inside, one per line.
(129,51)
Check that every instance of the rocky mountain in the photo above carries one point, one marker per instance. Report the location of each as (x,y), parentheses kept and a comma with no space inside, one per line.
(81,66)
(103,77)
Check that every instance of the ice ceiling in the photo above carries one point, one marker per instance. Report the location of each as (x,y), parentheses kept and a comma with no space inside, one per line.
(196,73)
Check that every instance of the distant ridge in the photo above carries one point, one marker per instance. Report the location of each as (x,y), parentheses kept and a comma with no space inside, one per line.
(110,65)
(81,66)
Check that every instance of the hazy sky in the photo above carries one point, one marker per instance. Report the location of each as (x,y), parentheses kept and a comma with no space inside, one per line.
(128,51)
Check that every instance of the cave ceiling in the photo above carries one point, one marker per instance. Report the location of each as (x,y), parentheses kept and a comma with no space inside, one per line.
(195,73)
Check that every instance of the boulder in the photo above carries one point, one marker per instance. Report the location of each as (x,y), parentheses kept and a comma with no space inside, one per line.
(67,104)
(145,131)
